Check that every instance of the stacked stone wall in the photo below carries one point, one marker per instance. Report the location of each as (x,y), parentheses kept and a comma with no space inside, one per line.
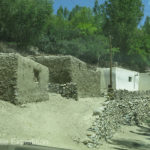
(68,90)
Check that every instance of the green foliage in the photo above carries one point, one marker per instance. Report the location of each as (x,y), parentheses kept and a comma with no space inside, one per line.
(96,48)
(98,15)
(82,32)
(96,8)
(146,26)
(83,21)
(137,56)
(74,11)
(63,13)
(74,33)
(121,20)
(60,12)
(23,21)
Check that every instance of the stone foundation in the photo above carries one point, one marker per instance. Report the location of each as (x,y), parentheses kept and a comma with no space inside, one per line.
(68,90)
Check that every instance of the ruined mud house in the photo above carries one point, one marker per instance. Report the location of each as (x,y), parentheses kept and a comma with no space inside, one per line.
(22,80)
(66,69)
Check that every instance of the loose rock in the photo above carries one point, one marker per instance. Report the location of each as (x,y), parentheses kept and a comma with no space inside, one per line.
(127,108)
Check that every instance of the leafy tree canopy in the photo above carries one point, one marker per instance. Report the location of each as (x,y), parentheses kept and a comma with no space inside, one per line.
(23,20)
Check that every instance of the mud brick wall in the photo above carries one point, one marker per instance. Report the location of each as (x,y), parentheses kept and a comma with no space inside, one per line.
(32,81)
(59,68)
(64,69)
(22,80)
(86,77)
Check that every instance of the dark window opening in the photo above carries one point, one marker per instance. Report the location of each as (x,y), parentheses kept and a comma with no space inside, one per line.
(130,79)
(79,66)
(36,75)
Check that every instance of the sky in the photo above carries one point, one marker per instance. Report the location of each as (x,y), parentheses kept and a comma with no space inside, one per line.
(90,3)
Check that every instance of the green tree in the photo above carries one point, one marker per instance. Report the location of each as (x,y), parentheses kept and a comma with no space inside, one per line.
(66,13)
(24,21)
(74,11)
(60,12)
(98,16)
(121,21)
(146,26)
(137,54)
(83,21)
(139,48)
(7,7)
(96,8)
(75,33)
(146,32)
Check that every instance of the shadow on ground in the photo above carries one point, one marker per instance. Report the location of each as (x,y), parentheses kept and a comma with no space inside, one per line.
(128,144)
(145,131)
(124,144)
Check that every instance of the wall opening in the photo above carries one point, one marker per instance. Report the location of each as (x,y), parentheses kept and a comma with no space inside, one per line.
(79,66)
(36,75)
(130,79)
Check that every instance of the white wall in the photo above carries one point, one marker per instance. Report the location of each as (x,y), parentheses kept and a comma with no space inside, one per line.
(105,78)
(144,83)
(122,80)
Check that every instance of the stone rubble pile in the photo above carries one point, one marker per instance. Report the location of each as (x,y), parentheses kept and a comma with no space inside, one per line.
(127,108)
(68,90)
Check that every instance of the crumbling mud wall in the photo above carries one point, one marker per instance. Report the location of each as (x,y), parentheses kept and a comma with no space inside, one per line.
(86,77)
(66,69)
(32,81)
(128,108)
(22,80)
(59,68)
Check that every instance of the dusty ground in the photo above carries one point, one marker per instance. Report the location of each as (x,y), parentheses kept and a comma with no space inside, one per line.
(58,122)
(129,138)
(61,122)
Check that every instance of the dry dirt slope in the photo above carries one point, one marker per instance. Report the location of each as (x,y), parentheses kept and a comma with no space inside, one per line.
(58,122)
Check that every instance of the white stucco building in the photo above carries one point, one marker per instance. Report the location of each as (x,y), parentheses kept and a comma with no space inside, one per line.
(122,79)
(144,83)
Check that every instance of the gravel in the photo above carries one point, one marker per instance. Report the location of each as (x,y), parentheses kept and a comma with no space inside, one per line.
(127,108)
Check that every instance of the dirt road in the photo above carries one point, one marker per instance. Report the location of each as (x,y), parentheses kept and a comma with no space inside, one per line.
(129,138)
(58,122)
(61,123)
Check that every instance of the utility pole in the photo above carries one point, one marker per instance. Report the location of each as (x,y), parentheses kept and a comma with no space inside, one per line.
(110,42)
